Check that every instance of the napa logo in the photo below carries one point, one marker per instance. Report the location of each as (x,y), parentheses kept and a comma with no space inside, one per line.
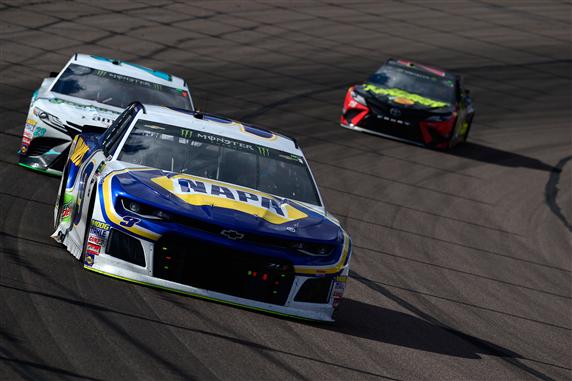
(199,192)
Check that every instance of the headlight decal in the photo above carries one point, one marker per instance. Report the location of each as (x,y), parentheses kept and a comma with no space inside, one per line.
(111,214)
(49,119)
(329,269)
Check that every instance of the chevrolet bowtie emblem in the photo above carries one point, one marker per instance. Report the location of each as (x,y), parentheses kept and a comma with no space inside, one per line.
(232,234)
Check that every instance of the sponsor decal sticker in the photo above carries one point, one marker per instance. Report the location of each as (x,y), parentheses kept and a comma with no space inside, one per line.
(98,234)
(93,249)
(100,225)
(199,191)
(79,152)
(339,288)
(398,95)
(89,259)
(67,208)
(66,212)
(29,129)
(102,119)
(95,239)
(403,101)
(100,168)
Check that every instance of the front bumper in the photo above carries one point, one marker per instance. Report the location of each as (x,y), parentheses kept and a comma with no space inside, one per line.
(308,311)
(382,134)
(233,277)
(43,149)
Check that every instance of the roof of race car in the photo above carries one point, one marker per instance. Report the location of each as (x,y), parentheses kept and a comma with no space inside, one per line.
(129,69)
(220,125)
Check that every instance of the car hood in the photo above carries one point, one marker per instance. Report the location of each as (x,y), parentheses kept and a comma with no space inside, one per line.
(402,98)
(224,205)
(75,111)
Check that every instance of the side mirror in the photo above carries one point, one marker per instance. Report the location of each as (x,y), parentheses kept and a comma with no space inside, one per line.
(54,74)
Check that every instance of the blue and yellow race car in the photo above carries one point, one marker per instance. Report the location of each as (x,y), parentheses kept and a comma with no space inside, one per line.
(205,206)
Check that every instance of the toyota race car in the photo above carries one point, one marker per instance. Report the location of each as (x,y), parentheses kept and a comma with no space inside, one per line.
(205,206)
(411,102)
(89,93)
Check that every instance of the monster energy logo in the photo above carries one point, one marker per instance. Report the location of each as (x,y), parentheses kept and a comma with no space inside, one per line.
(101,73)
(187,134)
(263,151)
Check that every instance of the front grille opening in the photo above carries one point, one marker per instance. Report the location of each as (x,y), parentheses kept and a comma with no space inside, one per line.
(221,269)
(351,114)
(125,247)
(314,290)
(40,146)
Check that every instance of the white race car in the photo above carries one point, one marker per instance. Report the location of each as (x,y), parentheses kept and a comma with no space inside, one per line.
(205,206)
(88,94)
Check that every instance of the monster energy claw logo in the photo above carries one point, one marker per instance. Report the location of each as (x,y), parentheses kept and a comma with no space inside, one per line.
(263,151)
(186,133)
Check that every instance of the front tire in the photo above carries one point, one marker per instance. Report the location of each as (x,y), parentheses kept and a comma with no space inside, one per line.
(470,122)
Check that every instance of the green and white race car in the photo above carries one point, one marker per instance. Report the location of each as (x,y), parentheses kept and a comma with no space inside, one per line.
(89,92)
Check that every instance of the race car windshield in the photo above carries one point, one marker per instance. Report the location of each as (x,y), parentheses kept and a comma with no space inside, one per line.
(216,157)
(415,82)
(117,89)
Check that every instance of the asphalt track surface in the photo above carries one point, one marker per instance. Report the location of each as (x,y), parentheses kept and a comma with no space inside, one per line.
(461,265)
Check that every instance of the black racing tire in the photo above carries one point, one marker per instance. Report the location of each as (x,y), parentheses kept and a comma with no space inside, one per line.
(466,136)
(452,143)
(87,224)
